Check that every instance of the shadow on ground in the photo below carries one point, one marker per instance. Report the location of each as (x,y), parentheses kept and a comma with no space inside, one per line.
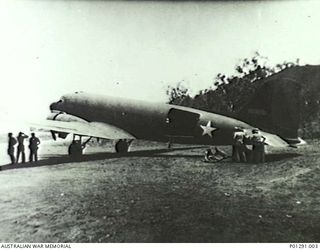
(279,157)
(54,160)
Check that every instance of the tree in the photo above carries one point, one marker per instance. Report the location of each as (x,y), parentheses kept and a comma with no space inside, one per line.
(177,93)
(229,93)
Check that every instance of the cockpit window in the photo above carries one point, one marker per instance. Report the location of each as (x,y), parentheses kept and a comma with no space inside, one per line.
(62,99)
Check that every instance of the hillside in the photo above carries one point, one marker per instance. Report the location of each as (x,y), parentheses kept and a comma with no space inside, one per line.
(290,98)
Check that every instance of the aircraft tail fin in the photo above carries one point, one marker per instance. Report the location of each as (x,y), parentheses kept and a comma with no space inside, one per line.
(275,108)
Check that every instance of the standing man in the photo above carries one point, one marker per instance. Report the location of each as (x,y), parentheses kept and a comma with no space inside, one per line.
(21,138)
(258,142)
(238,147)
(11,142)
(33,146)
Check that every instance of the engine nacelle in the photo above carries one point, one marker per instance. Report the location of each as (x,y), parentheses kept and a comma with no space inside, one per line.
(63,117)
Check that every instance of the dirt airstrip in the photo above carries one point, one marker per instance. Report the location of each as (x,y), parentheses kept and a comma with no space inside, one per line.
(154,194)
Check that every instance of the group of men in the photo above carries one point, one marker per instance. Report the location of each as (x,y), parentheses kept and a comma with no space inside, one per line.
(242,139)
(33,147)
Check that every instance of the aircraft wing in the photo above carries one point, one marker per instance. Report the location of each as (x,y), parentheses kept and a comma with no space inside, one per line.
(94,129)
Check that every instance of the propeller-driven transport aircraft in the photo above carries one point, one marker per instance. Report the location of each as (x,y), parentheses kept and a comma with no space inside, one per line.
(124,120)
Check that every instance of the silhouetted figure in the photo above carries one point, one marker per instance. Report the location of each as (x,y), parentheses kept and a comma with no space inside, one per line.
(21,138)
(11,142)
(33,146)
(258,151)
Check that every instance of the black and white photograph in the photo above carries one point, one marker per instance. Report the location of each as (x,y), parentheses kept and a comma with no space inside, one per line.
(160,122)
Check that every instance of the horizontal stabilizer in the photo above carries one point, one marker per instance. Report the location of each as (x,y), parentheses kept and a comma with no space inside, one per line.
(271,139)
(274,140)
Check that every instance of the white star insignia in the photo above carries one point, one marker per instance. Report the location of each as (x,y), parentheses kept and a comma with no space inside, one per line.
(207,130)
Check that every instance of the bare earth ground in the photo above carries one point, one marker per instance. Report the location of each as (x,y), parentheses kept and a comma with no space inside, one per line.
(157,195)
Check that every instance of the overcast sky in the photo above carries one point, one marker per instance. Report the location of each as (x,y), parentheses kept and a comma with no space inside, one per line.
(135,49)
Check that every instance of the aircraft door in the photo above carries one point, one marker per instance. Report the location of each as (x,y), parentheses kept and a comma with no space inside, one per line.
(181,123)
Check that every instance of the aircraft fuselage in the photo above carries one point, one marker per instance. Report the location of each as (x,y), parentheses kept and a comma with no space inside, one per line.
(152,121)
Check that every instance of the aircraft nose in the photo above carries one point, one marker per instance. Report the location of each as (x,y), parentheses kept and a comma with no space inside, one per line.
(56,105)
(53,106)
